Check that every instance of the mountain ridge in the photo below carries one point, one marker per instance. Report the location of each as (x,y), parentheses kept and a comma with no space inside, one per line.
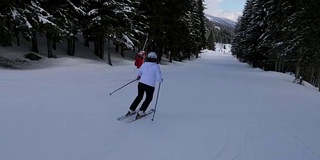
(223,21)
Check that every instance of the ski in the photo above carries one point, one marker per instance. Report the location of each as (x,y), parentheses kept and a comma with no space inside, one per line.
(125,116)
(146,114)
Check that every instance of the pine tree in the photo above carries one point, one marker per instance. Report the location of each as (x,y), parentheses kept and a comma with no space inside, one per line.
(303,50)
(6,19)
(62,23)
(240,42)
(202,24)
(13,20)
(211,41)
(280,33)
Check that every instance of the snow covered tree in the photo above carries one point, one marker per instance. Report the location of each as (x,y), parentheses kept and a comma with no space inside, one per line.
(256,55)
(38,20)
(240,42)
(60,24)
(283,34)
(125,28)
(107,20)
(6,18)
(202,28)
(211,41)
(13,20)
(174,27)
(195,35)
(68,14)
(303,49)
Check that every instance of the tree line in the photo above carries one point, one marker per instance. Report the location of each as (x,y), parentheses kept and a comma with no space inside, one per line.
(173,27)
(280,36)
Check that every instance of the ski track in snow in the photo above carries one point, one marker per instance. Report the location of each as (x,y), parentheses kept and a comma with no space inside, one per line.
(211,108)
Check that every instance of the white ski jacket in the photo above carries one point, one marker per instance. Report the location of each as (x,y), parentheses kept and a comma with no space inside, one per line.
(149,73)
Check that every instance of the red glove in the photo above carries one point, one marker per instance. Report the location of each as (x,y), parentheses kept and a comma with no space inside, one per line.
(138,78)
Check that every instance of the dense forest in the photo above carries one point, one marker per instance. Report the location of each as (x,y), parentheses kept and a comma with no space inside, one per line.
(280,36)
(172,27)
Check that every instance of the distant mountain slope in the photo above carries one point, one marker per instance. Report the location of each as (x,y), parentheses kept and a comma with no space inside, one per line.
(222,21)
(222,28)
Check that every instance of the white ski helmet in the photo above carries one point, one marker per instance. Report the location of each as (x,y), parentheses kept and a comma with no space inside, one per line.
(152,55)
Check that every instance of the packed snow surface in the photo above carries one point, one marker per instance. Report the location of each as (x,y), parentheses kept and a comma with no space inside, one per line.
(211,108)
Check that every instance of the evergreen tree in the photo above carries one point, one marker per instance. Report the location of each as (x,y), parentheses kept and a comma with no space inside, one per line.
(282,34)
(13,20)
(240,42)
(39,21)
(62,23)
(303,50)
(174,27)
(211,41)
(202,24)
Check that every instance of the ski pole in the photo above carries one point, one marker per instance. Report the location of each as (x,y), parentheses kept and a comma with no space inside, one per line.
(145,43)
(123,86)
(155,107)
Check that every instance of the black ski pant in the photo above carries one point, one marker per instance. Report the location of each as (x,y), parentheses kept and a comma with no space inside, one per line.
(149,95)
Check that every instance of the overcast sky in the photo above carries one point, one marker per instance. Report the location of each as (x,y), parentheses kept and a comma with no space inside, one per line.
(230,9)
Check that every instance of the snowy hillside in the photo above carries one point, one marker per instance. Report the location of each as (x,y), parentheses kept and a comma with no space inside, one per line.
(223,21)
(212,108)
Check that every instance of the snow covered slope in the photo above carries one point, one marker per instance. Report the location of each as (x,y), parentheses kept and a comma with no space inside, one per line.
(211,108)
